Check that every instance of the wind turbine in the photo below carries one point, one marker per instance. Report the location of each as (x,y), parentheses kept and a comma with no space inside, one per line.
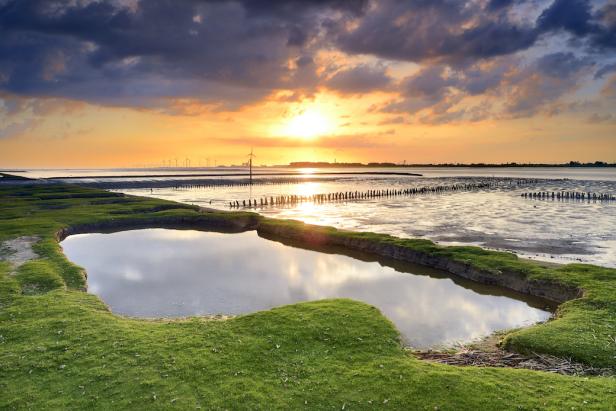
(250,157)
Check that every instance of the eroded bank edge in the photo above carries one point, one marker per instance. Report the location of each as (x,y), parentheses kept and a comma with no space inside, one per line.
(311,236)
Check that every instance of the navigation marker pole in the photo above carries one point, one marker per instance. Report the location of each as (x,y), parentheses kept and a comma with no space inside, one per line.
(251,155)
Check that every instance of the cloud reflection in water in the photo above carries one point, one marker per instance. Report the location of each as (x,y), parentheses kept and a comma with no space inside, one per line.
(174,273)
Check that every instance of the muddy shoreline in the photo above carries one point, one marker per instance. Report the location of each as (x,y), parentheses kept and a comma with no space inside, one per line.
(488,352)
(235,225)
(514,281)
(18,251)
(310,236)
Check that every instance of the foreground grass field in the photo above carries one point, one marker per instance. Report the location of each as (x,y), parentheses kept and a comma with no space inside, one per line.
(61,348)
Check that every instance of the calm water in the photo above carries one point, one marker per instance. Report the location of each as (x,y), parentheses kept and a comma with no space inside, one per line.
(175,273)
(603,174)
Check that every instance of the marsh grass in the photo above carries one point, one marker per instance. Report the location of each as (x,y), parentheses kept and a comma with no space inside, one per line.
(61,347)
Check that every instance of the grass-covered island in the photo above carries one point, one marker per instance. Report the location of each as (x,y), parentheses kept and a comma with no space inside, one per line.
(60,347)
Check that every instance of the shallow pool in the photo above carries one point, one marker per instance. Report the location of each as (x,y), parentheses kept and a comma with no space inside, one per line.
(176,273)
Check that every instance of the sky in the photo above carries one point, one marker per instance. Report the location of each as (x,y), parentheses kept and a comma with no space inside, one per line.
(130,83)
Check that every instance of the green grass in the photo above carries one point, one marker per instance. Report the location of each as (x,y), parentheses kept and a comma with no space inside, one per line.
(9,286)
(61,347)
(38,277)
(585,329)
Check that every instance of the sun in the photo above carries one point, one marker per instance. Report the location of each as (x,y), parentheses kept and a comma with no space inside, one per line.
(310,123)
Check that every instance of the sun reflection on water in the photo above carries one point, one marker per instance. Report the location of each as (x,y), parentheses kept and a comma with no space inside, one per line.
(308,189)
(307,171)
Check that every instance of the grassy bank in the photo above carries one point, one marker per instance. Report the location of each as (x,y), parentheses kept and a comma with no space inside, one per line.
(586,327)
(61,348)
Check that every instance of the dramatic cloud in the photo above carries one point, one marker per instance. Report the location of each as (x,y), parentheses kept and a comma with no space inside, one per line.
(439,94)
(228,53)
(439,89)
(570,15)
(418,30)
(577,18)
(455,31)
(98,50)
(544,82)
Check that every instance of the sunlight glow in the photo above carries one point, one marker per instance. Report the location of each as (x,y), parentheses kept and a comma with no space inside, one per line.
(307,171)
(310,123)
(308,188)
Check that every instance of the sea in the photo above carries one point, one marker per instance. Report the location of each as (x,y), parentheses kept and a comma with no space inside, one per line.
(492,213)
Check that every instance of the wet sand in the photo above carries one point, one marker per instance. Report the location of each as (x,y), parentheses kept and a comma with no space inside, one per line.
(563,232)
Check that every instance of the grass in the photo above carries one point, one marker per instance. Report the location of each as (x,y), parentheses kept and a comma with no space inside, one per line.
(61,347)
(38,277)
(585,329)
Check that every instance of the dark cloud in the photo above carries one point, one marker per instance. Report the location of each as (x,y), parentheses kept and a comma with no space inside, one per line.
(606,69)
(544,82)
(561,65)
(426,88)
(455,31)
(293,7)
(99,50)
(359,79)
(571,15)
(439,88)
(578,18)
(431,82)
(500,4)
(232,52)
(432,94)
(445,30)
(480,79)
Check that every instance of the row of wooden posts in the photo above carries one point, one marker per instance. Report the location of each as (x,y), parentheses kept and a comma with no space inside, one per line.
(359,195)
(297,180)
(239,183)
(188,185)
(569,195)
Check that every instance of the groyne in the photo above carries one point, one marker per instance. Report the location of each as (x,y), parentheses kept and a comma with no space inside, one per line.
(569,195)
(294,199)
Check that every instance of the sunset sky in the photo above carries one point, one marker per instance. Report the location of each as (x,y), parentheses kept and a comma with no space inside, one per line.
(123,83)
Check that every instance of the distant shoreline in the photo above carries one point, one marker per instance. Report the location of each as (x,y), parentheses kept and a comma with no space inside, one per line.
(223,170)
(308,164)
(388,173)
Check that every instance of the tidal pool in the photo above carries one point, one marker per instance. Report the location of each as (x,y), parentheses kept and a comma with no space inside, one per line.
(176,273)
